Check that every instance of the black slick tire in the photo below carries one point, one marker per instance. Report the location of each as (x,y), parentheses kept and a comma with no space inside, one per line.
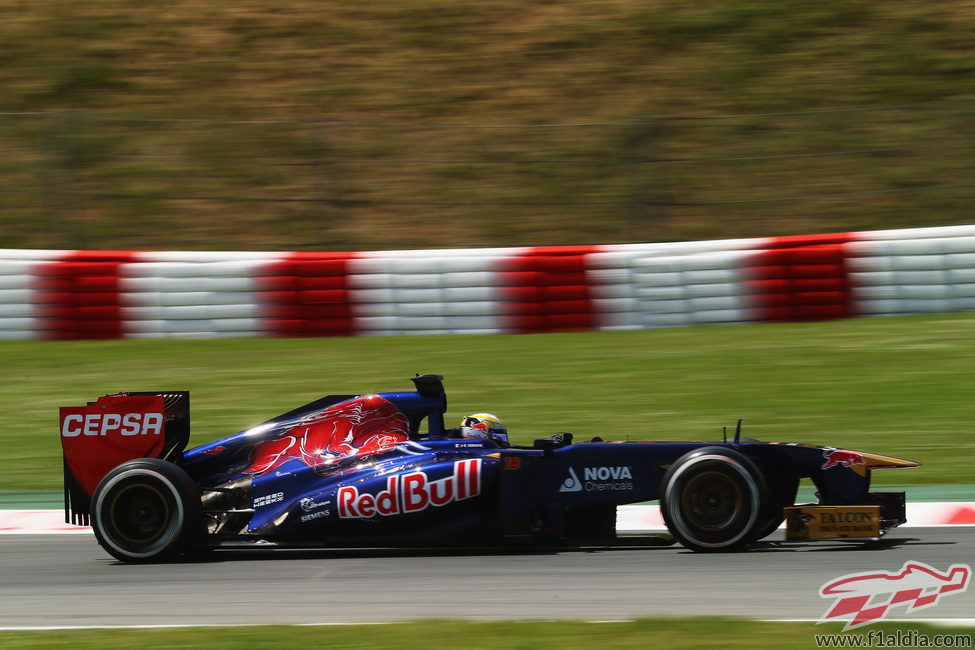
(713,499)
(146,510)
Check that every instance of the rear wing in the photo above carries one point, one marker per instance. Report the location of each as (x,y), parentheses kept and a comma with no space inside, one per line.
(101,435)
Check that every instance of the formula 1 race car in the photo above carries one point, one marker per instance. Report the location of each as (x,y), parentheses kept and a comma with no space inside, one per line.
(382,470)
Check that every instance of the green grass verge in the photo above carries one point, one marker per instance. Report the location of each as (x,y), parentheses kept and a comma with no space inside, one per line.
(688,633)
(900,386)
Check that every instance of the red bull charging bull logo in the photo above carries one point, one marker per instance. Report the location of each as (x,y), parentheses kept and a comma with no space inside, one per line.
(349,430)
(836,457)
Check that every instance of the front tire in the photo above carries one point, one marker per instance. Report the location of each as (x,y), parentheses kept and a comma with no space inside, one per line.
(781,495)
(713,499)
(146,510)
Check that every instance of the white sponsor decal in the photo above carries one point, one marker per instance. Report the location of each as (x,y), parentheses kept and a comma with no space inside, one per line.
(599,479)
(103,424)
(268,499)
(572,483)
(308,504)
(413,492)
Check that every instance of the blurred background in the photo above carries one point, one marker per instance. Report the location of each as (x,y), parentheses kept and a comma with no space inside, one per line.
(307,125)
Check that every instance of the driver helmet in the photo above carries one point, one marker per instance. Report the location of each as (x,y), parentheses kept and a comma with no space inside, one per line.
(484,426)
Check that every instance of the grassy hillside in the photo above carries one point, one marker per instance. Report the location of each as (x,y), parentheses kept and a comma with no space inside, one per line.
(897,386)
(322,125)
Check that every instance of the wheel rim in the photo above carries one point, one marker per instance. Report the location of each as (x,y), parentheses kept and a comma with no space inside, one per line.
(712,501)
(139,514)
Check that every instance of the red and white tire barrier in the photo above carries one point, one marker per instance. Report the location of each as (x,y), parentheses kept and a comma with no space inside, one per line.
(630,520)
(129,294)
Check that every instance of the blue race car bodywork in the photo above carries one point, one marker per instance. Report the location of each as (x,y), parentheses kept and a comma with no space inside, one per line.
(383,470)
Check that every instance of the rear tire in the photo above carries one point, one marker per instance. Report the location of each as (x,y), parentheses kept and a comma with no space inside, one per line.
(146,510)
(712,499)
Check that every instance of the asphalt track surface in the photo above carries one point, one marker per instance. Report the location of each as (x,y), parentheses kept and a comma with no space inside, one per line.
(68,581)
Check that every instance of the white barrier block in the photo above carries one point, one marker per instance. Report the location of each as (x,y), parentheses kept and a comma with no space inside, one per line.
(198,257)
(712,276)
(879,307)
(961,290)
(657,266)
(19,268)
(692,247)
(609,291)
(620,320)
(917,262)
(674,319)
(472,308)
(922,292)
(709,290)
(413,309)
(367,281)
(13,324)
(958,245)
(722,316)
(611,260)
(927,276)
(610,305)
(468,279)
(242,326)
(658,279)
(365,324)
(872,278)
(186,284)
(875,264)
(16,296)
(185,298)
(376,295)
(876,292)
(609,276)
(674,292)
(19,335)
(922,306)
(469,293)
(233,269)
(17,281)
(655,307)
(919,233)
(415,295)
(961,303)
(23,310)
(29,254)
(717,303)
(960,275)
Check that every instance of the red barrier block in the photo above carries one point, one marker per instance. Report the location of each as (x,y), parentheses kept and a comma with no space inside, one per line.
(530,294)
(80,295)
(334,296)
(300,285)
(801,278)
(555,293)
(324,283)
(546,289)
